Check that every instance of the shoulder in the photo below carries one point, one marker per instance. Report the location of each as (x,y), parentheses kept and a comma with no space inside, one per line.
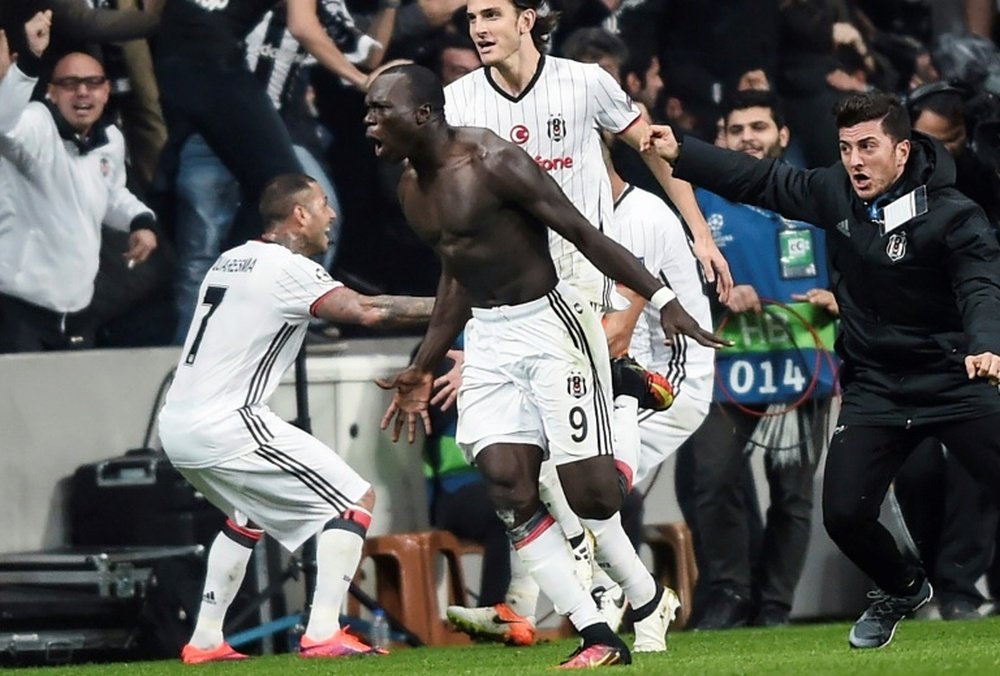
(643,209)
(558,66)
(465,84)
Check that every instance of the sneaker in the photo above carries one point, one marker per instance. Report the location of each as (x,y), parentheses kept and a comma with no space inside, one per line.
(498,623)
(651,631)
(611,603)
(650,388)
(221,653)
(341,644)
(593,656)
(876,626)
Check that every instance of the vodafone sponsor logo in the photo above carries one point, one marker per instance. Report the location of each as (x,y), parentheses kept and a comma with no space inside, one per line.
(519,134)
(554,163)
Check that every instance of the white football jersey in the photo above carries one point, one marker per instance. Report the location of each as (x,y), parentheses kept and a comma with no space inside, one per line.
(256,303)
(556,120)
(648,228)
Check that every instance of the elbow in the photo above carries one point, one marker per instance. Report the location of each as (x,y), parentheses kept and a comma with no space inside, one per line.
(374,319)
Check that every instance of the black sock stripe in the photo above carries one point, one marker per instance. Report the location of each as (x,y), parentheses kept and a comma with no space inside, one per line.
(239,538)
(350,525)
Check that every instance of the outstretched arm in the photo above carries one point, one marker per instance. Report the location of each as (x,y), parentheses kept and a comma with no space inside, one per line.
(518,179)
(305,27)
(794,193)
(682,195)
(412,385)
(347,306)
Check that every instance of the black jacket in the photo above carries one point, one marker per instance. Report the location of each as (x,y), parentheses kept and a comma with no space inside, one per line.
(907,319)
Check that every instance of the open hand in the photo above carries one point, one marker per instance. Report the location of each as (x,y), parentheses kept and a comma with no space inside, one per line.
(410,402)
(446,386)
(675,320)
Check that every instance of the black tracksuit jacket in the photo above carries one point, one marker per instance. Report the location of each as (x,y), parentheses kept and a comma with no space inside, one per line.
(907,320)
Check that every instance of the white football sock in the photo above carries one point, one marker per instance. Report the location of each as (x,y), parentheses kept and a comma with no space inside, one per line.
(226,566)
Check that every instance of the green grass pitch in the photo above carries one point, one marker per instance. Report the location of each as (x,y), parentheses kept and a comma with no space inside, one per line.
(920,647)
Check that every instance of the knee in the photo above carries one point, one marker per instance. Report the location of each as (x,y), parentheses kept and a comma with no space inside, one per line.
(840,519)
(598,500)
(367,501)
(517,495)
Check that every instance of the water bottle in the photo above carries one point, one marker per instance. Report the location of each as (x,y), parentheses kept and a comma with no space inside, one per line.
(380,631)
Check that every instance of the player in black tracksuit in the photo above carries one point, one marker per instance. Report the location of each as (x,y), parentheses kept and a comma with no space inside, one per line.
(919,297)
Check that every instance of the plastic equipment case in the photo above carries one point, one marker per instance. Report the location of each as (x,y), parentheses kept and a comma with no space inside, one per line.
(138,499)
(104,604)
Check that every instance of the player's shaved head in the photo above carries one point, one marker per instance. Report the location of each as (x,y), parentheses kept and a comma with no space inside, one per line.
(281,195)
(423,86)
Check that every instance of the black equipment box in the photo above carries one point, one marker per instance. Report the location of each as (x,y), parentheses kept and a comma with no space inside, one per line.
(138,499)
(104,604)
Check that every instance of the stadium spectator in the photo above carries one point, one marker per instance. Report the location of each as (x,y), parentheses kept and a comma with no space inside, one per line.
(208,194)
(772,258)
(207,89)
(63,172)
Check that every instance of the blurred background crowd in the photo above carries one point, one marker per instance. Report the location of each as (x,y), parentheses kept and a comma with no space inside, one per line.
(200,168)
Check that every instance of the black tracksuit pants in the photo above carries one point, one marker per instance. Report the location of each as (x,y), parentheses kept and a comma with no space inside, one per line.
(861,463)
(952,519)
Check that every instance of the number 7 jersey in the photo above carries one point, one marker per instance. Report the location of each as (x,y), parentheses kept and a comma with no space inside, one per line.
(255,305)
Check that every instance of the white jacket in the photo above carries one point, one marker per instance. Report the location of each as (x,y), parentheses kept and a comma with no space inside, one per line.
(53,200)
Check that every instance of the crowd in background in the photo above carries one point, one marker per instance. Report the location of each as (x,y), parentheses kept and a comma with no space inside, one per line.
(199,162)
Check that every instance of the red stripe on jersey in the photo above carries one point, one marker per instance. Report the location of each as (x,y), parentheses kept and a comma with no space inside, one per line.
(542,526)
(315,303)
(630,124)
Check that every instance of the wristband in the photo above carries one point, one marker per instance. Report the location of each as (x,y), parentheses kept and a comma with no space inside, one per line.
(389,4)
(662,296)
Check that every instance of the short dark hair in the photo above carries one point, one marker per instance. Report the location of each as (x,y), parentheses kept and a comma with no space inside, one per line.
(874,105)
(423,85)
(754,98)
(591,44)
(640,58)
(281,194)
(545,25)
(943,98)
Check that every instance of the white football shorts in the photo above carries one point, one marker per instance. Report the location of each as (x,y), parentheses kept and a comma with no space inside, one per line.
(290,486)
(537,373)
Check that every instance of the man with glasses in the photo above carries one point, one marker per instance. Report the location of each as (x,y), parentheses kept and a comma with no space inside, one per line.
(62,174)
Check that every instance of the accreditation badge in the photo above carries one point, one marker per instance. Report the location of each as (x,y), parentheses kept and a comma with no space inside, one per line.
(796,253)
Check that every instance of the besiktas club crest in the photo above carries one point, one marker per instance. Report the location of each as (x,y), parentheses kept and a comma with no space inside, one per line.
(556,128)
(896,248)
